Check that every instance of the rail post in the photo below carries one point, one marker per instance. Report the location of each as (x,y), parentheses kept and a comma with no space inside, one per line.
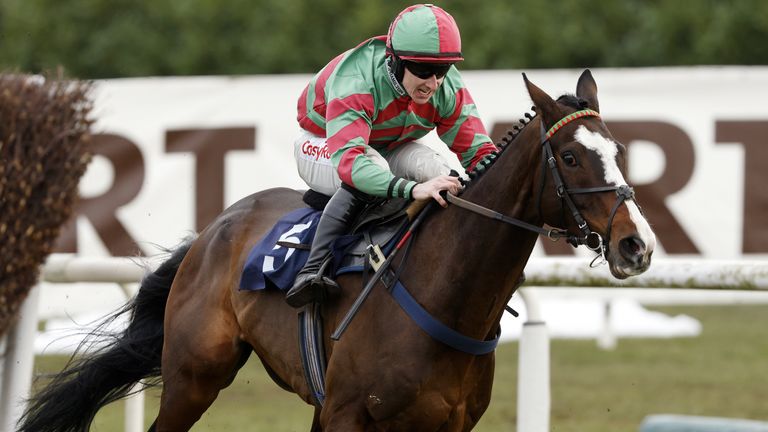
(19,362)
(533,390)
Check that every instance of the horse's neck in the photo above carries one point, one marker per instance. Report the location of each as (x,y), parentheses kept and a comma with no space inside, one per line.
(480,260)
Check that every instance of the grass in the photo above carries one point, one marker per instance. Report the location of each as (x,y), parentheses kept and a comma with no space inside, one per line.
(723,373)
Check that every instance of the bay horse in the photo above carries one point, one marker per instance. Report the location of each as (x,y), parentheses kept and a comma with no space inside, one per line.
(192,327)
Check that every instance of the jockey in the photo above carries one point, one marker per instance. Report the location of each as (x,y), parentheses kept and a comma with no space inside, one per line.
(361,115)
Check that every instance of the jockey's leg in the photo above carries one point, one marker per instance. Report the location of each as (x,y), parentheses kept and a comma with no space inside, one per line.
(339,213)
(317,170)
(419,162)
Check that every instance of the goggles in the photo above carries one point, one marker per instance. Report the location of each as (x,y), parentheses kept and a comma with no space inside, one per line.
(426,70)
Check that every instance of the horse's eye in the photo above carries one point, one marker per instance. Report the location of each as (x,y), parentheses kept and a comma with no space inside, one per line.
(569,159)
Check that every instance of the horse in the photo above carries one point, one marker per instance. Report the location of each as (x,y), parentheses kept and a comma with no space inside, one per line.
(192,328)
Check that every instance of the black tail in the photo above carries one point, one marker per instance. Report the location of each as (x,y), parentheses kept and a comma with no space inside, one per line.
(70,401)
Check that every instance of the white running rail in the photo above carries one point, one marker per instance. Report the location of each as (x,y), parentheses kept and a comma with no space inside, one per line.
(533,402)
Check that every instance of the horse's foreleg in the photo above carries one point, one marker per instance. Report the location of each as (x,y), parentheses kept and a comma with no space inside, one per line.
(347,418)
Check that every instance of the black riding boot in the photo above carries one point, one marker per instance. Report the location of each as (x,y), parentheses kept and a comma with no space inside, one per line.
(339,213)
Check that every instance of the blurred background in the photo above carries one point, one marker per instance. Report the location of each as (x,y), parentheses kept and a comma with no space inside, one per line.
(194,108)
(96,39)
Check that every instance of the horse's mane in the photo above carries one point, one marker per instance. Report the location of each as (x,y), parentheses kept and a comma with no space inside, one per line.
(508,140)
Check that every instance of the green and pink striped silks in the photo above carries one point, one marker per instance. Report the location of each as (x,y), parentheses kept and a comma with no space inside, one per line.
(354,103)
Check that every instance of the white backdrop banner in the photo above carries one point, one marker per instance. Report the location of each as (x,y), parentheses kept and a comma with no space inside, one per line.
(171,153)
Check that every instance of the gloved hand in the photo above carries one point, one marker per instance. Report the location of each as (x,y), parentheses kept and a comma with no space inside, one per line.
(433,187)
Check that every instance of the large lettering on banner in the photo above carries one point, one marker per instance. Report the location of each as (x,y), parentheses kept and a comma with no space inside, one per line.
(679,154)
(753,136)
(101,211)
(209,147)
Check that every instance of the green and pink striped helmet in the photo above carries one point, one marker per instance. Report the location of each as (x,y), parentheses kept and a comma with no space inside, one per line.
(425,33)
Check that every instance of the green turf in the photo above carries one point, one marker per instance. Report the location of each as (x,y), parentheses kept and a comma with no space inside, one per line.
(724,372)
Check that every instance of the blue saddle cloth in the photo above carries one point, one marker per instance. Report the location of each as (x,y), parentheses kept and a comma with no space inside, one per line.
(271,265)
(276,265)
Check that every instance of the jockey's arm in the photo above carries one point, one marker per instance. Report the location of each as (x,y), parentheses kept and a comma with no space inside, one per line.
(461,129)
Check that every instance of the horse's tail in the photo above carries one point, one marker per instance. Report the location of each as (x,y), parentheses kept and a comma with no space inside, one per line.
(70,401)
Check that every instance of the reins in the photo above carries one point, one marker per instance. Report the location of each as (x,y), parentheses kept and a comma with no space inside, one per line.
(552,233)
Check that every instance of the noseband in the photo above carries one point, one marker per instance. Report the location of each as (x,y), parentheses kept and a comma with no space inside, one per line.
(588,237)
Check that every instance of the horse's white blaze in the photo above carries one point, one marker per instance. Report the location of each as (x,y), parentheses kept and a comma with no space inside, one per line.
(607,150)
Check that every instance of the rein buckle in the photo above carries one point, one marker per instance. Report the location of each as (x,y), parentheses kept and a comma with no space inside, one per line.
(555,234)
(552,162)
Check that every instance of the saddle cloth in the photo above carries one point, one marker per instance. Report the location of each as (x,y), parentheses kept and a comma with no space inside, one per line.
(276,259)
(271,264)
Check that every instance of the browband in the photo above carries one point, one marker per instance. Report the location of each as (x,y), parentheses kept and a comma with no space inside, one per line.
(569,118)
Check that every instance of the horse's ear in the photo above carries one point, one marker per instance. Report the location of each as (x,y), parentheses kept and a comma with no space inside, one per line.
(587,90)
(546,106)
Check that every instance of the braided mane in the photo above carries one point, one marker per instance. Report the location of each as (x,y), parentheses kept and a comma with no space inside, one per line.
(484,165)
(569,100)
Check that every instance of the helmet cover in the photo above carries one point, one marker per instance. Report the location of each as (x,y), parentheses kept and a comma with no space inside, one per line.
(425,33)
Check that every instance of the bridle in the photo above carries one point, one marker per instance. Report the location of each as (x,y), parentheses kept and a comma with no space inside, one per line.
(591,239)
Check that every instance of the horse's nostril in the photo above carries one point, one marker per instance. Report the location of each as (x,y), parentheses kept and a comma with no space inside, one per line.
(632,248)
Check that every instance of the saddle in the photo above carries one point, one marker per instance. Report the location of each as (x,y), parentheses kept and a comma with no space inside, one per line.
(276,259)
(372,235)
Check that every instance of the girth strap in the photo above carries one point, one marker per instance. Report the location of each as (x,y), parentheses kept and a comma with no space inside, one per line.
(438,330)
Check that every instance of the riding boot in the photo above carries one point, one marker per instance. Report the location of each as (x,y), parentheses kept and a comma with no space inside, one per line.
(339,213)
